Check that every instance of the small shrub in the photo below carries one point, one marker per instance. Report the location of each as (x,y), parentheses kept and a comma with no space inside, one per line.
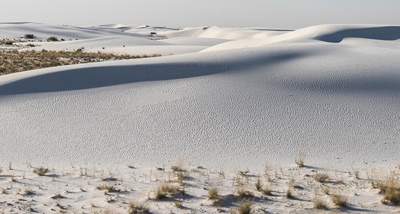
(320,203)
(178,204)
(28,192)
(244,193)
(138,208)
(41,171)
(52,39)
(259,185)
(326,190)
(30,45)
(213,193)
(178,167)
(391,191)
(29,36)
(9,43)
(159,194)
(321,177)
(245,207)
(339,200)
(357,174)
(289,193)
(267,191)
(107,188)
(299,158)
(165,189)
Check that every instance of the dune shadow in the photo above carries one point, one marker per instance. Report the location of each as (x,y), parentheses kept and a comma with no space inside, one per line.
(96,76)
(379,33)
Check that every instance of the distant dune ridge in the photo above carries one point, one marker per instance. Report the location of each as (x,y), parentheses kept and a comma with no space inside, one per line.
(225,98)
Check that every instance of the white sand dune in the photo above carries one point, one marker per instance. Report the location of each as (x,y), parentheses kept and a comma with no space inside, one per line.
(226,109)
(229,99)
(324,33)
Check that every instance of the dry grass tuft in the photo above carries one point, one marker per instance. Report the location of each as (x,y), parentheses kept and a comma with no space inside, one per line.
(245,207)
(108,188)
(267,191)
(339,200)
(289,192)
(391,190)
(320,203)
(213,193)
(244,193)
(300,158)
(178,204)
(321,177)
(259,185)
(178,167)
(165,189)
(41,171)
(135,208)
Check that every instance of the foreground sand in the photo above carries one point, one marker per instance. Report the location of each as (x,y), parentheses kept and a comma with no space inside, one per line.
(76,189)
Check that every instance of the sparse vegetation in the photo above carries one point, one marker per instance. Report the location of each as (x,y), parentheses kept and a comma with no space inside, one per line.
(300,158)
(245,207)
(29,36)
(244,193)
(259,185)
(391,190)
(164,189)
(12,61)
(357,174)
(267,191)
(213,193)
(41,171)
(108,188)
(178,167)
(339,200)
(321,177)
(320,203)
(136,208)
(289,193)
(52,39)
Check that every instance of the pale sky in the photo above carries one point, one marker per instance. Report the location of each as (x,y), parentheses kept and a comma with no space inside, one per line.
(182,13)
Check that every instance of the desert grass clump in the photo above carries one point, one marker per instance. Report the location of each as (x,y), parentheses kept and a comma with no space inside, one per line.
(259,185)
(213,193)
(321,177)
(178,204)
(245,207)
(320,203)
(391,191)
(266,191)
(178,167)
(357,174)
(165,189)
(339,200)
(300,158)
(41,171)
(28,191)
(289,192)
(136,208)
(244,193)
(108,188)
